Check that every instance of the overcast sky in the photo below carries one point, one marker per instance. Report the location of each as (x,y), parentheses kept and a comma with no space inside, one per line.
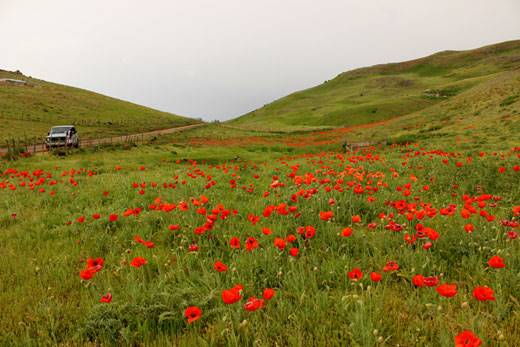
(220,59)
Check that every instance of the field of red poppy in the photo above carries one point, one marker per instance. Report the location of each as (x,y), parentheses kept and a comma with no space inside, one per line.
(264,241)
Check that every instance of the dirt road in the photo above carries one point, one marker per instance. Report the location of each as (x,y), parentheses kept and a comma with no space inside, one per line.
(38,148)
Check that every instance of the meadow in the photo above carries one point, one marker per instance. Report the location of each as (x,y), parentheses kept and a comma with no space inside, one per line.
(221,236)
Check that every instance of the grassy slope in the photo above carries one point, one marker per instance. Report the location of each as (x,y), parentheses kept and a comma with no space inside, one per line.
(386,91)
(30,111)
(487,116)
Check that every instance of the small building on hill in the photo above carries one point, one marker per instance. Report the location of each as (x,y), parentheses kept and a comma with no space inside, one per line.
(12,81)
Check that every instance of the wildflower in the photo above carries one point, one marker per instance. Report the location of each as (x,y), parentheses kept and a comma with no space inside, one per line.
(375,276)
(310,231)
(447,290)
(268,293)
(391,266)
(431,281)
(251,243)
(234,243)
(483,293)
(107,298)
(496,262)
(327,215)
(230,296)
(467,339)
(138,262)
(356,219)
(355,274)
(279,243)
(294,252)
(220,266)
(95,265)
(253,304)
(346,232)
(418,280)
(192,314)
(86,274)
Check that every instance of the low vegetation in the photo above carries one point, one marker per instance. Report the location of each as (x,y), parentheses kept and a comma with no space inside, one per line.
(220,236)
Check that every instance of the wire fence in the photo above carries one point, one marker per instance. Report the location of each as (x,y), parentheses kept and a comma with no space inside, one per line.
(26,146)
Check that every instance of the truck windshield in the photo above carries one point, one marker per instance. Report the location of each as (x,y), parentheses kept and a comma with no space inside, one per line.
(58,130)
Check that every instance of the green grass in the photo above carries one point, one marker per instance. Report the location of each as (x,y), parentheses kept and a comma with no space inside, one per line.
(48,303)
(387,91)
(28,111)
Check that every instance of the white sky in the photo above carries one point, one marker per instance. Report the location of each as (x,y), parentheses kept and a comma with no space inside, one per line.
(220,59)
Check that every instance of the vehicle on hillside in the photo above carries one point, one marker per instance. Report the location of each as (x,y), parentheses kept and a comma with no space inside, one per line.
(62,136)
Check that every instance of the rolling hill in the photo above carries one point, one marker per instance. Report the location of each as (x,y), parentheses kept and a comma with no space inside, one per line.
(384,92)
(27,110)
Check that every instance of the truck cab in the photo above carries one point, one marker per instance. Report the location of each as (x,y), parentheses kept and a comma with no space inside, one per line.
(62,136)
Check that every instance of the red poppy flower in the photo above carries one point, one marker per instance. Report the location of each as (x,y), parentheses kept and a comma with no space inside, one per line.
(346,232)
(268,293)
(391,266)
(87,274)
(356,219)
(469,228)
(234,243)
(496,262)
(327,215)
(113,217)
(220,266)
(355,274)
(310,231)
(253,304)
(279,243)
(418,280)
(375,276)
(431,281)
(107,298)
(251,243)
(95,264)
(467,339)
(96,216)
(138,262)
(294,251)
(483,293)
(230,296)
(266,231)
(290,238)
(447,290)
(192,314)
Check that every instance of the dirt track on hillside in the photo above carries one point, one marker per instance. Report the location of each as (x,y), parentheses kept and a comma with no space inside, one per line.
(39,148)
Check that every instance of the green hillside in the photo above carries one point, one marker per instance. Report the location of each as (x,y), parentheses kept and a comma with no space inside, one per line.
(386,91)
(28,110)
(484,117)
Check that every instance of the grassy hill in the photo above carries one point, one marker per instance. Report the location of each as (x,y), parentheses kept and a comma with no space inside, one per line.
(28,110)
(387,91)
